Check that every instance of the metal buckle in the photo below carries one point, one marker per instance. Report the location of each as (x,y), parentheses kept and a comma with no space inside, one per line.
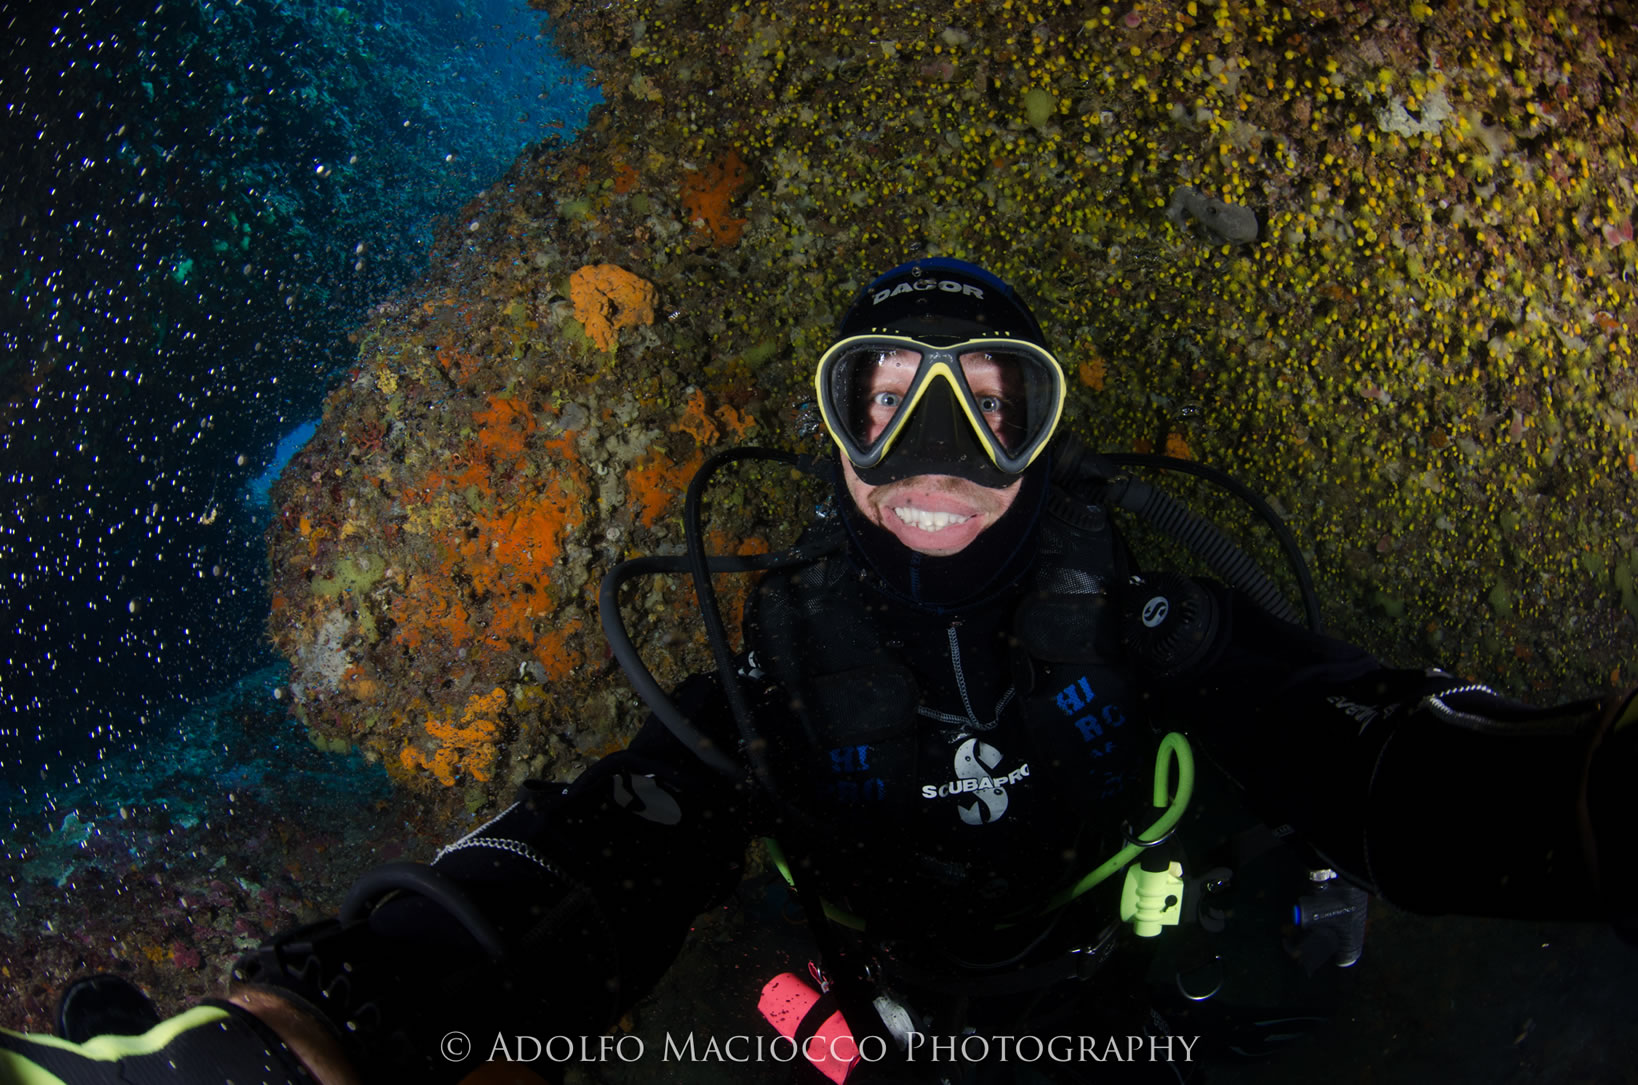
(1127,832)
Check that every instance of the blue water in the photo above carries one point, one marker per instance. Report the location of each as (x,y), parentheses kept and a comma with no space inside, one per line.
(195,763)
(198,201)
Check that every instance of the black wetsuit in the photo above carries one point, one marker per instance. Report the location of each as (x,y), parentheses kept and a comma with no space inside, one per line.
(1001,767)
(1057,739)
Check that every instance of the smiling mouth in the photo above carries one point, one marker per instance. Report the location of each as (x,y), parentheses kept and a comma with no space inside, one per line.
(926,520)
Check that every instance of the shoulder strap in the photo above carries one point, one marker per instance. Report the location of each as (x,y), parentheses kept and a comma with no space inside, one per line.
(812,634)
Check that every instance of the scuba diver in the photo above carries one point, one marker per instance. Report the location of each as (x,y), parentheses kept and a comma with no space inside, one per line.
(964,724)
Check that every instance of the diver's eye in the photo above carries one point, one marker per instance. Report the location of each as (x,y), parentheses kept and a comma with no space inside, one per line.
(990,404)
(887,399)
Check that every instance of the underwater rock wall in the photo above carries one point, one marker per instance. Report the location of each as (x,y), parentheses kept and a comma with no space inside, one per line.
(1377,263)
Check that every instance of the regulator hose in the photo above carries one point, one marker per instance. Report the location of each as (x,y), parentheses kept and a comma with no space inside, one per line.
(716,634)
(1214,548)
(423,881)
(1075,463)
(701,566)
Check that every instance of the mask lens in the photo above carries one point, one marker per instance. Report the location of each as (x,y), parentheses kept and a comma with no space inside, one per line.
(1015,395)
(869,386)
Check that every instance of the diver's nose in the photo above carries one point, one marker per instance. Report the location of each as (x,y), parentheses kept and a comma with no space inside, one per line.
(939,429)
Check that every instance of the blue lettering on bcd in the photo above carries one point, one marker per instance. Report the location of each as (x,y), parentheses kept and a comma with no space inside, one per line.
(1092,723)
(1112,783)
(1090,726)
(1075,697)
(850,759)
(846,760)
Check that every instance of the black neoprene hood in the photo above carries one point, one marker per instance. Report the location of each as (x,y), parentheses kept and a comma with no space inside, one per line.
(939,297)
(936,301)
(945,301)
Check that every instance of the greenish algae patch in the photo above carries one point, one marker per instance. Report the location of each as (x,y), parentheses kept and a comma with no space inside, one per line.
(354,573)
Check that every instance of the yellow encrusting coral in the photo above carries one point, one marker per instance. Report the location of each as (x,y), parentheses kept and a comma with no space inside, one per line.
(1416,338)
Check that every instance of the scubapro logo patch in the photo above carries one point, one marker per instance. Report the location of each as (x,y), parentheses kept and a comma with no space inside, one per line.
(975,769)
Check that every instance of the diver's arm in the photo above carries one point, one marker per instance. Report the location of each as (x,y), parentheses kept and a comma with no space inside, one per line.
(308,1039)
(1437,793)
(547,921)
(550,920)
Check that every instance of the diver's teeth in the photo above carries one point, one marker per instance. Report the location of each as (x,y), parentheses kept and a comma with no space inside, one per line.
(928,521)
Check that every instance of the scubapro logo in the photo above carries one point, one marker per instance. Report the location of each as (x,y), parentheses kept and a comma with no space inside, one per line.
(975,764)
(1155,611)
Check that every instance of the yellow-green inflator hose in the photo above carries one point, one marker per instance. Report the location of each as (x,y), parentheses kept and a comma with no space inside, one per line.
(1174,750)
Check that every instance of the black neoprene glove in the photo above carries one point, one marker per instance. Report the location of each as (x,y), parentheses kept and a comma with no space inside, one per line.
(1436,793)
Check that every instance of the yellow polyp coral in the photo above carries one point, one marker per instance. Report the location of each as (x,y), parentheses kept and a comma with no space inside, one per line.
(1429,340)
(467,746)
(608,298)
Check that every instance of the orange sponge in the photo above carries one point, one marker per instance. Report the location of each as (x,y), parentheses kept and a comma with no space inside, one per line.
(608,298)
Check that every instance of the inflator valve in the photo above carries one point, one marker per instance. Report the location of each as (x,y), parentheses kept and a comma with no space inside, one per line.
(1330,922)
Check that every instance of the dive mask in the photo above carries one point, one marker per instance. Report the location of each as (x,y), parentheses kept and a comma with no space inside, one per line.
(981,409)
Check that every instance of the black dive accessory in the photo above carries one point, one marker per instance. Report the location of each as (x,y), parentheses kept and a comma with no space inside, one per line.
(417,951)
(979,409)
(1173,625)
(940,296)
(1330,922)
